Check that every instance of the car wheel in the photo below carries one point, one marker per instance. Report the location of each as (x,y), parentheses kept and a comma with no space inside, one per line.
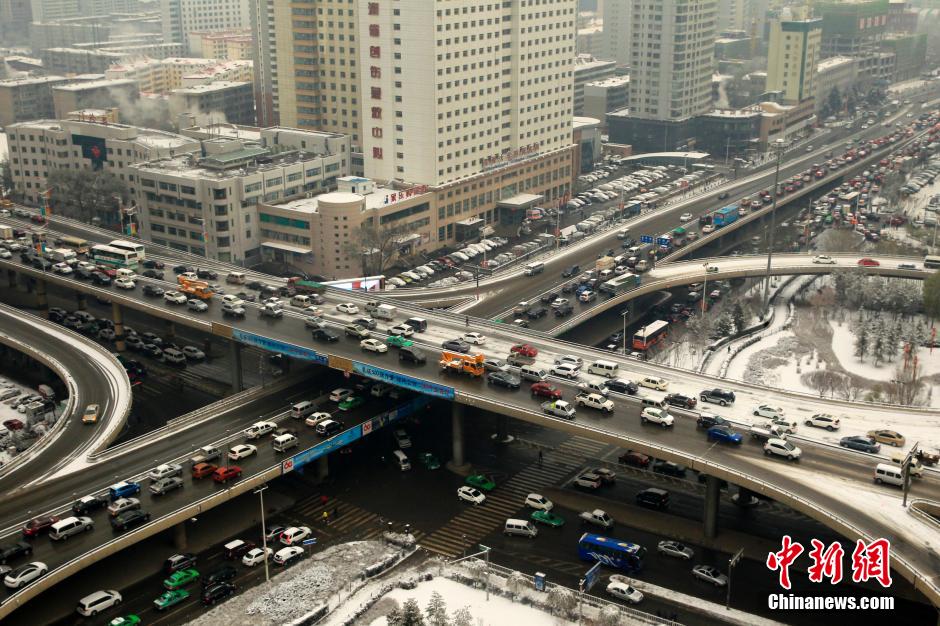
(830,428)
(810,423)
(664,424)
(642,419)
(877,481)
(756,412)
(767,452)
(723,403)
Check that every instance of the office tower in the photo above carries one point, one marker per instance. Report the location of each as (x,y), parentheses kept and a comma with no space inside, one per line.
(793,54)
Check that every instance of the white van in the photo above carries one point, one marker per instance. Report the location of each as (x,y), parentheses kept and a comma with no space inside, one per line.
(94,603)
(123,272)
(284,442)
(64,529)
(521,528)
(890,474)
(533,373)
(403,463)
(531,269)
(302,409)
(607,369)
(235,278)
(300,301)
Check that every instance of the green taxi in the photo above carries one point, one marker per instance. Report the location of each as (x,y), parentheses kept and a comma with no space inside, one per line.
(548,518)
(127,620)
(397,341)
(430,461)
(170,598)
(481,481)
(181,578)
(350,403)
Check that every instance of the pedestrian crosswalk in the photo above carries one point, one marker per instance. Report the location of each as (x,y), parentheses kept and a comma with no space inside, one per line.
(475,522)
(343,520)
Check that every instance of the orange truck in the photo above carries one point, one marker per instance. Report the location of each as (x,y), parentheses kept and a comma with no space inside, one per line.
(463,363)
(196,288)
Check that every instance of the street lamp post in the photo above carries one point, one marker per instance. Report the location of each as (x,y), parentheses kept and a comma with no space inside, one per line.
(704,286)
(264,532)
(779,146)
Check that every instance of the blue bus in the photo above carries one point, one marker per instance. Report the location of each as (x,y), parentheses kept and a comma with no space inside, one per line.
(621,555)
(725,216)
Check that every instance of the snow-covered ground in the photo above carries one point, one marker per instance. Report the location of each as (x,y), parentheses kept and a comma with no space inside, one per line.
(7,412)
(843,344)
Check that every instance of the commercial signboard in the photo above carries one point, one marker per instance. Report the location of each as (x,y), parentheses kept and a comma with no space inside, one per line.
(272,345)
(322,449)
(407,382)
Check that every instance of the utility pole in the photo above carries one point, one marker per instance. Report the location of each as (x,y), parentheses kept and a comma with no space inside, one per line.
(731,563)
(264,532)
(779,146)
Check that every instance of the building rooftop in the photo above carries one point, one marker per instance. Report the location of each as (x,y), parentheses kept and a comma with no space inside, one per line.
(226,164)
(831,62)
(30,80)
(612,81)
(584,122)
(380,197)
(733,113)
(584,62)
(98,84)
(219,85)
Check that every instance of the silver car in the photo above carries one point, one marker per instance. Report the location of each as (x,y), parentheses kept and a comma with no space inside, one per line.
(164,485)
(676,549)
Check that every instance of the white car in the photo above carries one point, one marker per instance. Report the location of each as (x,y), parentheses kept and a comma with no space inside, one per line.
(259,429)
(710,575)
(295,535)
(657,416)
(256,556)
(62,268)
(347,307)
(539,502)
(769,411)
(25,574)
(475,338)
(676,549)
(569,358)
(403,330)
(373,345)
(782,447)
(174,297)
(6,254)
(314,322)
(338,395)
(707,229)
(565,370)
(824,259)
(193,353)
(625,592)
(165,471)
(685,217)
(124,283)
(197,305)
(823,420)
(241,451)
(471,495)
(233,300)
(285,556)
(559,302)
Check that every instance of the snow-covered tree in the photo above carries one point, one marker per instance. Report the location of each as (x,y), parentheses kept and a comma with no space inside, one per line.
(462,617)
(724,326)
(861,342)
(478,571)
(738,317)
(878,347)
(408,615)
(516,583)
(608,616)
(561,600)
(436,611)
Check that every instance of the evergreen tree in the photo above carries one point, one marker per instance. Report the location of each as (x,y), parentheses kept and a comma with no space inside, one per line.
(411,614)
(462,617)
(738,317)
(724,326)
(436,611)
(861,343)
(878,348)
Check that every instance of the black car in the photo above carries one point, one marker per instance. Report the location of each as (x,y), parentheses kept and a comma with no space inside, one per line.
(548,298)
(247,297)
(179,561)
(366,322)
(571,271)
(213,594)
(83,273)
(102,280)
(153,291)
(57,315)
(456,345)
(153,274)
(653,498)
(130,519)
(150,337)
(503,379)
(536,312)
(152,350)
(205,274)
(707,420)
(723,195)
(182,269)
(679,400)
(324,334)
(862,444)
(412,355)
(134,342)
(618,385)
(153,265)
(221,575)
(330,428)
(255,285)
(669,468)
(88,504)
(569,288)
(14,550)
(563,310)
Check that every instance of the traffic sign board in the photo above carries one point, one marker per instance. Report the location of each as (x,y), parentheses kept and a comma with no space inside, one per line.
(590,577)
(662,241)
(646,239)
(287,466)
(310,542)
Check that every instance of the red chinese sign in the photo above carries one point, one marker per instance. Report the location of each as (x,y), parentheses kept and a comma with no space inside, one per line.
(869,561)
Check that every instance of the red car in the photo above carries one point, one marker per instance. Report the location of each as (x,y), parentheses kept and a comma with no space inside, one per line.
(525,349)
(201,470)
(867,262)
(39,525)
(544,390)
(107,271)
(14,424)
(635,459)
(226,473)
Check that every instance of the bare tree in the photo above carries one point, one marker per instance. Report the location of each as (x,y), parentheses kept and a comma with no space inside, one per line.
(376,245)
(84,194)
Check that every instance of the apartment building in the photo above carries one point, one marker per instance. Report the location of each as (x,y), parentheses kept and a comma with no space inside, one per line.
(183,19)
(216,101)
(30,98)
(587,69)
(794,50)
(95,94)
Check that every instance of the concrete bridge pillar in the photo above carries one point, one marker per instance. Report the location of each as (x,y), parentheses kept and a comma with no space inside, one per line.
(457,462)
(80,302)
(170,332)
(117,316)
(236,366)
(11,279)
(179,536)
(710,518)
(42,302)
(323,468)
(744,496)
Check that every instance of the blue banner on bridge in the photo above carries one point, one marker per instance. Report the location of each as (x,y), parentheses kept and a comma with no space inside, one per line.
(390,417)
(400,380)
(272,345)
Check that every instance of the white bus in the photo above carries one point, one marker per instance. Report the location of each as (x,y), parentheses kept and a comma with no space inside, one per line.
(619,283)
(130,246)
(932,262)
(114,257)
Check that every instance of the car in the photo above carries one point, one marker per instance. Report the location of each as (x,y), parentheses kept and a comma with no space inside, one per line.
(403,330)
(724,433)
(823,420)
(15,550)
(862,444)
(710,575)
(480,481)
(339,394)
(558,303)
(121,505)
(165,471)
(824,259)
(782,447)
(456,345)
(545,390)
(868,262)
(256,556)
(201,470)
(193,353)
(373,345)
(548,518)
(366,322)
(205,274)
(587,296)
(350,403)
(769,411)
(495,365)
(503,379)
(90,414)
(685,217)
(170,598)
(165,485)
(356,331)
(347,307)
(657,416)
(216,592)
(179,561)
(314,419)
(126,620)
(595,401)
(174,297)
(476,339)
(669,468)
(524,349)
(325,334)
(295,535)
(587,481)
(559,408)
(241,451)
(39,525)
(466,493)
(538,502)
(24,574)
(679,400)
(129,519)
(288,555)
(565,370)
(398,341)
(675,549)
(634,459)
(889,437)
(618,385)
(226,473)
(61,268)
(181,578)
(623,591)
(124,283)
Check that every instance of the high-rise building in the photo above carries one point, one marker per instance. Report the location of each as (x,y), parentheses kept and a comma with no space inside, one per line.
(852,27)
(793,53)
(587,69)
(616,31)
(183,18)
(15,16)
(733,15)
(672,58)
(30,98)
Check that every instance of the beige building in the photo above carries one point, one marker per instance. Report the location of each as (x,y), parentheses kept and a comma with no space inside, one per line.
(839,73)
(231,45)
(183,20)
(97,94)
(219,101)
(23,99)
(793,54)
(603,96)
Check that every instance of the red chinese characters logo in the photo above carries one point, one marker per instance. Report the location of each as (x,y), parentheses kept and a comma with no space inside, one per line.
(826,563)
(869,561)
(783,559)
(872,561)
